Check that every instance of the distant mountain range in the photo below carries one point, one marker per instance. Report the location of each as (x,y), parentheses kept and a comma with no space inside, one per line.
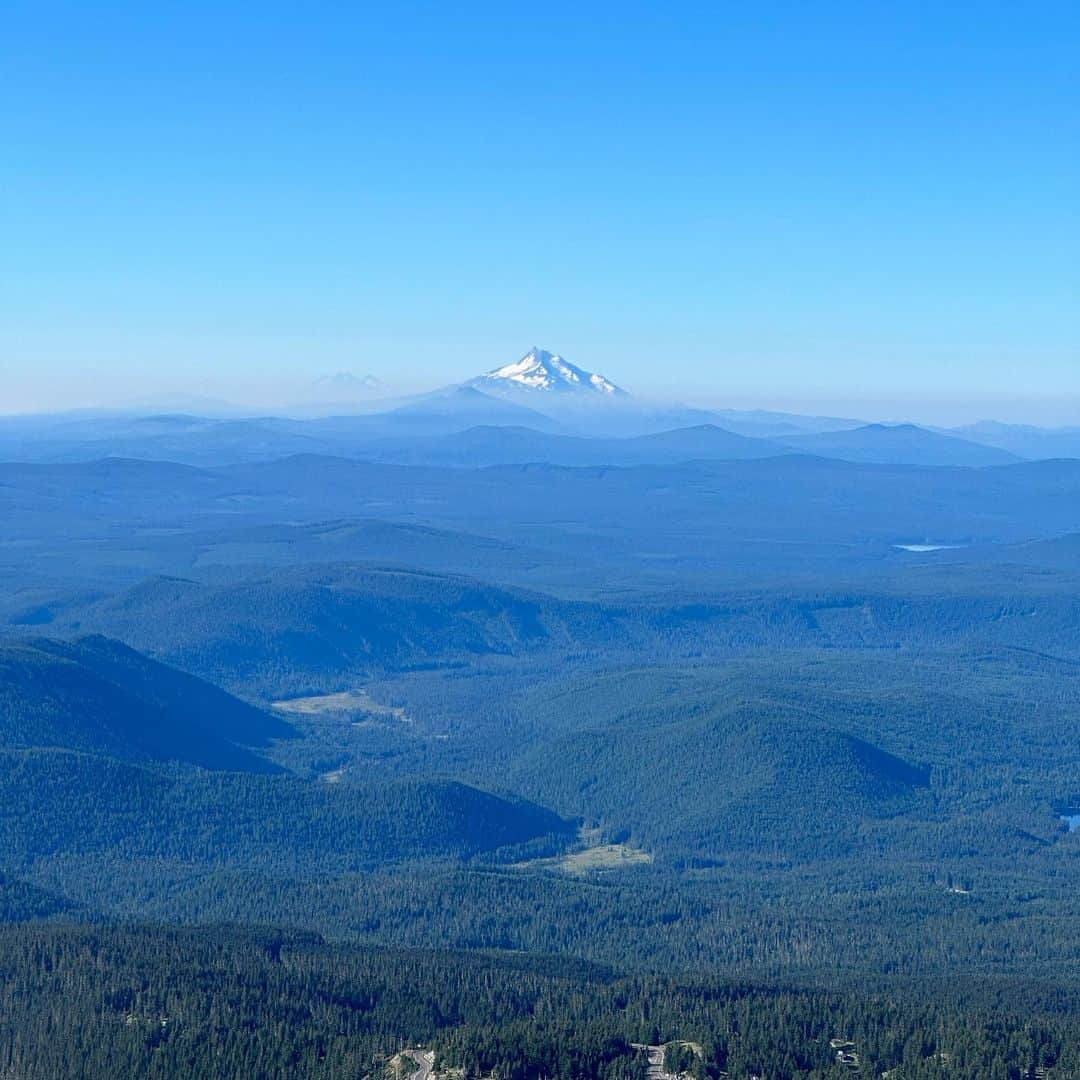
(511,445)
(901,444)
(540,409)
(446,409)
(1024,439)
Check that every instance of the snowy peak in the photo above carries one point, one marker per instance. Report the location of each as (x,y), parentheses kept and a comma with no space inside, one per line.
(545,371)
(344,384)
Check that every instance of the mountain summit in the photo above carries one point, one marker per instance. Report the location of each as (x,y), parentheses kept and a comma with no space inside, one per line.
(539,370)
(346,386)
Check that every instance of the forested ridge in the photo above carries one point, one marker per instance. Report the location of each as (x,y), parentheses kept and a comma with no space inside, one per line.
(87,805)
(227,1002)
(96,695)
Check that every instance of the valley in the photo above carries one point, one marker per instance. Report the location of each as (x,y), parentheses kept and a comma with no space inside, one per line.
(676,719)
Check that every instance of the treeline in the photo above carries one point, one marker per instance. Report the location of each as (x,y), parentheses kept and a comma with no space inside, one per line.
(227,1002)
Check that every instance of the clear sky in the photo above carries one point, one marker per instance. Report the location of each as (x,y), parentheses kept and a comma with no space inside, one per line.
(866,205)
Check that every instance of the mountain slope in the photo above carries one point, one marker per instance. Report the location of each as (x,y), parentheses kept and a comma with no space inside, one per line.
(899,444)
(97,696)
(459,407)
(691,778)
(82,806)
(23,902)
(371,540)
(200,441)
(322,629)
(323,622)
(484,446)
(543,372)
(1023,439)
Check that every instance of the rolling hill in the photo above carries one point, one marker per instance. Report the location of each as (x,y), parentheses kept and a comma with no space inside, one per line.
(899,444)
(105,755)
(484,446)
(82,808)
(1023,439)
(292,631)
(689,779)
(97,696)
(301,626)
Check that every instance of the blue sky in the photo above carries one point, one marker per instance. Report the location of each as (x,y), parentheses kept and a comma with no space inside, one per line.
(860,206)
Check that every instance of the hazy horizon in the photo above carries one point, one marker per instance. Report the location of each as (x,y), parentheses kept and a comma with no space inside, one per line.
(830,211)
(282,395)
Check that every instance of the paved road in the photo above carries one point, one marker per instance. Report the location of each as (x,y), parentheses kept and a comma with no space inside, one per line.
(425,1059)
(655,1056)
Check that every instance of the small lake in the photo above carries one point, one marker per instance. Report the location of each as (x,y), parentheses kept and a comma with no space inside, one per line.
(928,547)
(1072,820)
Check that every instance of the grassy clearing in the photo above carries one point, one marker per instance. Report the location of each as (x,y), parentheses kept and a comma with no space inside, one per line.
(603,857)
(345,703)
(594,859)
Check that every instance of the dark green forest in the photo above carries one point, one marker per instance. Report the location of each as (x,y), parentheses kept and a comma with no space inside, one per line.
(306,763)
(238,1003)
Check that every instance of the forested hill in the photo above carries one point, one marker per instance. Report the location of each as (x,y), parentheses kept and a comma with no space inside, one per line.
(81,809)
(764,778)
(100,697)
(22,902)
(323,621)
(290,630)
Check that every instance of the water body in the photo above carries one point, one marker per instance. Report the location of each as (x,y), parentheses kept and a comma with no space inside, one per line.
(928,547)
(1072,820)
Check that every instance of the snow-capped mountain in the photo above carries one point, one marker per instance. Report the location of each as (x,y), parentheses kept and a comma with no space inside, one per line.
(539,370)
(345,386)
